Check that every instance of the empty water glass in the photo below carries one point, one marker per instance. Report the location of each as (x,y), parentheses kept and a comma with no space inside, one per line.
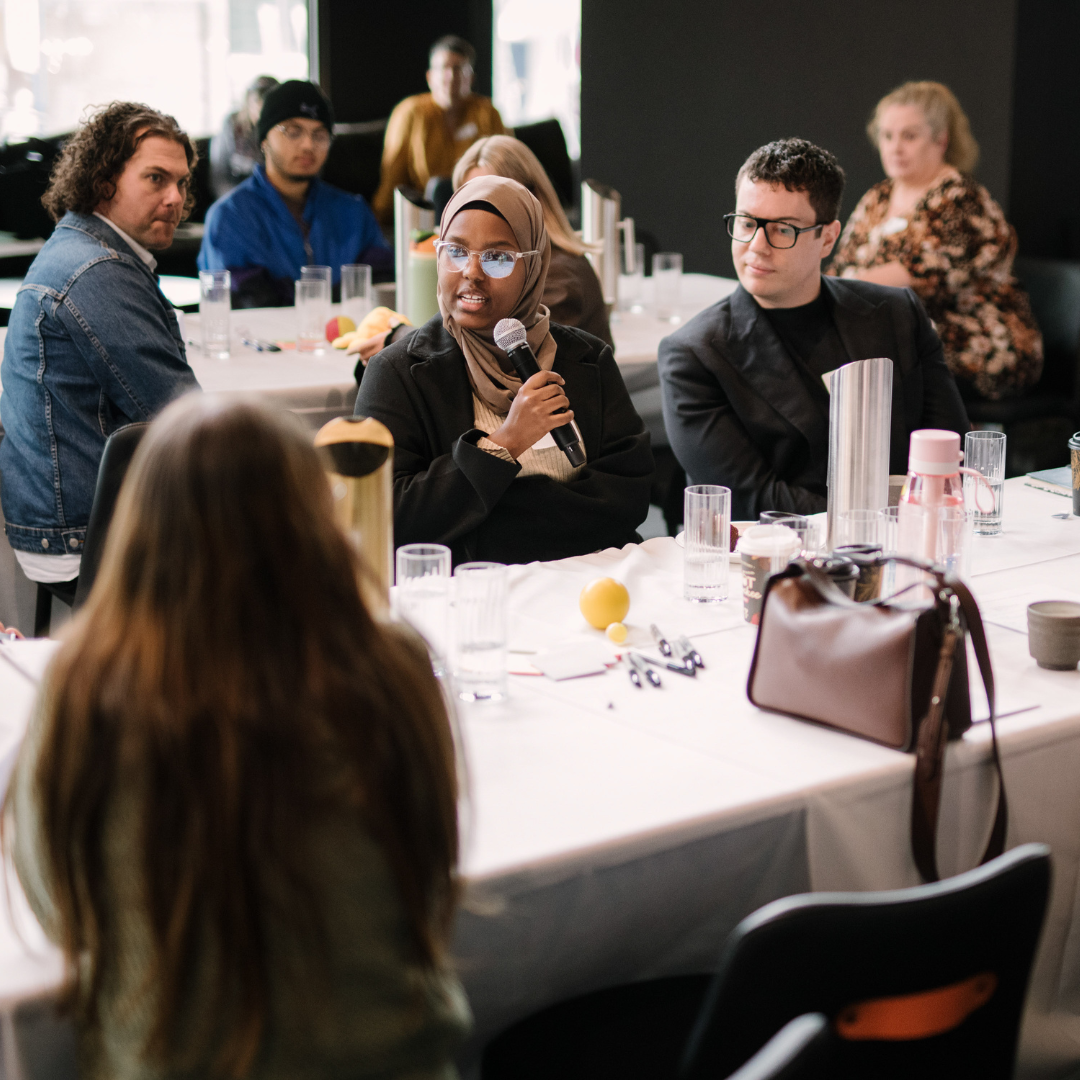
(632,279)
(857,527)
(422,595)
(215,307)
(667,284)
(984,451)
(796,522)
(480,631)
(312,313)
(356,291)
(706,543)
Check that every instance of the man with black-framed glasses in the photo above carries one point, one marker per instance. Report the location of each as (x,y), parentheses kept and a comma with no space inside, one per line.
(284,216)
(744,383)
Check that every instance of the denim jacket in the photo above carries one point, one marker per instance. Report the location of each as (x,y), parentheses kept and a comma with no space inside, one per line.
(92,345)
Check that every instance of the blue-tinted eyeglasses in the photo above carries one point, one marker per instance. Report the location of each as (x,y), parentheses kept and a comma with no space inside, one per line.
(495,262)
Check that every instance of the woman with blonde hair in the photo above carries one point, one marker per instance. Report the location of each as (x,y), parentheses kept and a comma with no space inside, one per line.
(933,228)
(572,294)
(235,810)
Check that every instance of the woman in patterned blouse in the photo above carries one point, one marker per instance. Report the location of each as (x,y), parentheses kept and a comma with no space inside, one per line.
(932,228)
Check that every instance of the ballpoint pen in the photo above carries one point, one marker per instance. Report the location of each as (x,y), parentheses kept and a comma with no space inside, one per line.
(678,666)
(690,652)
(661,641)
(259,345)
(644,669)
(635,678)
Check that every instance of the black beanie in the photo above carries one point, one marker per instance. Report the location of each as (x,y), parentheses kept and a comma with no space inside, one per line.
(292,99)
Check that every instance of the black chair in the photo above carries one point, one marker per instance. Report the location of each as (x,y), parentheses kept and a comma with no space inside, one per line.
(120,447)
(546,140)
(1053,286)
(927,982)
(796,1052)
(959,950)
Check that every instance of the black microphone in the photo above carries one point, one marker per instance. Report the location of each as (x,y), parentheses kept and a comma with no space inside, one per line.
(510,337)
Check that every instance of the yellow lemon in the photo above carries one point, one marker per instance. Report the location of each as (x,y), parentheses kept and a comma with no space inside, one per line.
(616,633)
(603,602)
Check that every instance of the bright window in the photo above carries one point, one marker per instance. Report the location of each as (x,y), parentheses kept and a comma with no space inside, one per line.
(537,64)
(190,58)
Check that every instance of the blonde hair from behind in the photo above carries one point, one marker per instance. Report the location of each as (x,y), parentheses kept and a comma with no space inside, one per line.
(510,157)
(942,112)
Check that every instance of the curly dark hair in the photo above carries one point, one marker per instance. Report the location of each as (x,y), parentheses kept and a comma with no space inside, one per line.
(800,166)
(86,170)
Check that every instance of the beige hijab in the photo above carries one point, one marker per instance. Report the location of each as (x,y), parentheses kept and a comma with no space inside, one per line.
(490,372)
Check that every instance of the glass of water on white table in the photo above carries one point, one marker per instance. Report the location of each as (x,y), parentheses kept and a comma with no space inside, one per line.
(480,631)
(215,309)
(984,452)
(706,543)
(422,596)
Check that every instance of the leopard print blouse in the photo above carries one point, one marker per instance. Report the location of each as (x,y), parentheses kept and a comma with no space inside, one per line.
(959,250)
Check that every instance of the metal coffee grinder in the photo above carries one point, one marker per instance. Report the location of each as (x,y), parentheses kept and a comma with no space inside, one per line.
(358,454)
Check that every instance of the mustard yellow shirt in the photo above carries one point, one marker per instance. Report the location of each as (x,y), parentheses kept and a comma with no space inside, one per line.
(419,145)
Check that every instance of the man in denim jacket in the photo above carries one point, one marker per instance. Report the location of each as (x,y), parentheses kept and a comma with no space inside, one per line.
(92,343)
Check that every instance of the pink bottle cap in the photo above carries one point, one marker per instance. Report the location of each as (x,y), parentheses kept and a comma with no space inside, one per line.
(934,452)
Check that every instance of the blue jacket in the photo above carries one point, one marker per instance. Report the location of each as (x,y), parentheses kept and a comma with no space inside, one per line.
(92,345)
(251,229)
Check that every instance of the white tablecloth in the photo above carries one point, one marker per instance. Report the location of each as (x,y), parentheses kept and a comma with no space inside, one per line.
(611,833)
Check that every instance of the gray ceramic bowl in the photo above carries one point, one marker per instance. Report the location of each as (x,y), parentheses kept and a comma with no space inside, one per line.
(1054,634)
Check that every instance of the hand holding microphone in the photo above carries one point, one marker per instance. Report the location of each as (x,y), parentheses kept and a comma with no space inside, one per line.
(534,401)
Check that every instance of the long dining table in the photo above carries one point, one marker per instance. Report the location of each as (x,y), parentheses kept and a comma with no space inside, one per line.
(612,834)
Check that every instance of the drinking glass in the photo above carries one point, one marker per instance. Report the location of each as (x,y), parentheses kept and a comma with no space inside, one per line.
(954,531)
(356,292)
(667,284)
(984,451)
(889,529)
(857,527)
(215,306)
(706,543)
(480,631)
(796,522)
(312,313)
(422,596)
(317,273)
(632,280)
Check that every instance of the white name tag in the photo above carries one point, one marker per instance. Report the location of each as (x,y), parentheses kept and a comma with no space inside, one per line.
(467,131)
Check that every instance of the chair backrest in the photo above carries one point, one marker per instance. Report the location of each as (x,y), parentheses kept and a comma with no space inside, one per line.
(887,969)
(120,446)
(547,141)
(796,1052)
(1053,285)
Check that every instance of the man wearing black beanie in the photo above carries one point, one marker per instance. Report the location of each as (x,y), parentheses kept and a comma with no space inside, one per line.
(284,217)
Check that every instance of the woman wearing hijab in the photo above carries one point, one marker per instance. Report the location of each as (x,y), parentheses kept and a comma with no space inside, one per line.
(475,466)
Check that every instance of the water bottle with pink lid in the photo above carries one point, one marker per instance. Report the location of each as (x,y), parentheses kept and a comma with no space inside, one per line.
(931,520)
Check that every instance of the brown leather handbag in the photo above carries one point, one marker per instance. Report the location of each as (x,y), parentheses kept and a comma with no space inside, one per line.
(894,674)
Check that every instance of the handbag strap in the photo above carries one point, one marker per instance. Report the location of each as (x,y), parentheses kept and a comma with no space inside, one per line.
(930,748)
(933,731)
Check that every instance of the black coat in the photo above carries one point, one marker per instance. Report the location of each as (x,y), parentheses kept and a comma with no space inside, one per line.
(449,491)
(738,413)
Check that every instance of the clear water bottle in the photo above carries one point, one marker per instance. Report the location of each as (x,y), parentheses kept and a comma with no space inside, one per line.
(932,522)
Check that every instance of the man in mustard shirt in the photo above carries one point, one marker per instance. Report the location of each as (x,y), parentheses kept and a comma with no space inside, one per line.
(427,133)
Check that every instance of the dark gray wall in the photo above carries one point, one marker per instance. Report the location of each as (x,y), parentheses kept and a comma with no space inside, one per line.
(1045,176)
(675,95)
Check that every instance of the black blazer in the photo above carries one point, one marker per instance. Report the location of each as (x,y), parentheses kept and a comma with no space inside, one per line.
(738,413)
(449,491)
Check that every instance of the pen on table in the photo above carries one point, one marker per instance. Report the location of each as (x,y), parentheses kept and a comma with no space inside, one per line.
(677,666)
(259,345)
(635,678)
(690,652)
(661,641)
(644,669)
